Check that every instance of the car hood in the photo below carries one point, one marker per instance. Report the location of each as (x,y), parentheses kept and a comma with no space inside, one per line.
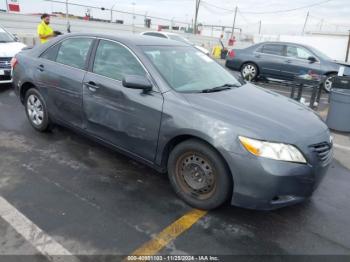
(257,113)
(10,49)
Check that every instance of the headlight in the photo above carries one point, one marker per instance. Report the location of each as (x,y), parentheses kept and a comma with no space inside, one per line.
(276,151)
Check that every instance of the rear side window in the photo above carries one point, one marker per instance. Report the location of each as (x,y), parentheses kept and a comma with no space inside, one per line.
(50,53)
(273,49)
(115,61)
(73,52)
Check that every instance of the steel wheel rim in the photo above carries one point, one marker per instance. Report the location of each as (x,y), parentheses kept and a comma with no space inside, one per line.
(328,84)
(196,175)
(35,110)
(249,70)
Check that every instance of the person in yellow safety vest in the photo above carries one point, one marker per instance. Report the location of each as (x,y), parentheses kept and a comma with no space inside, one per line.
(45,32)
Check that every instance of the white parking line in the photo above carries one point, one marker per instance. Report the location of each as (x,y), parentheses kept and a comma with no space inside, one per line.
(45,244)
(342,147)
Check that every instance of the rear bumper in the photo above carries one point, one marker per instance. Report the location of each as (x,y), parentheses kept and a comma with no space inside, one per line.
(265,184)
(234,64)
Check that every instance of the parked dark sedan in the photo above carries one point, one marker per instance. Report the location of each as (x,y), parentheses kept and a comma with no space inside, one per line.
(172,107)
(283,61)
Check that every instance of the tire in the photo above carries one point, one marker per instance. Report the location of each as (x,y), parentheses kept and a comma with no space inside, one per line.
(36,110)
(327,86)
(249,71)
(198,175)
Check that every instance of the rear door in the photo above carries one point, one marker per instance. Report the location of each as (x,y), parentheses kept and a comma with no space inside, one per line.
(297,63)
(127,118)
(60,72)
(270,58)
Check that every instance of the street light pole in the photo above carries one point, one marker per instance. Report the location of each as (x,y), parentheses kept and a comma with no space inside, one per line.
(7,6)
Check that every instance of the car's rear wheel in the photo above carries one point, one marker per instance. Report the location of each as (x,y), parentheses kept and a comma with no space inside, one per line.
(249,71)
(327,86)
(199,175)
(36,110)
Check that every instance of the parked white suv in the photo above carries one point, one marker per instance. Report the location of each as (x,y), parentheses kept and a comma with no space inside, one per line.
(9,47)
(176,37)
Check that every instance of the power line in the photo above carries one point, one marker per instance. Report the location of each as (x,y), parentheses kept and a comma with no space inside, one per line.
(275,11)
(291,9)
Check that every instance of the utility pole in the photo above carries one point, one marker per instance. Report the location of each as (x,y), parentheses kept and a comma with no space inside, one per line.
(321,25)
(133,17)
(348,49)
(306,19)
(196,16)
(67,18)
(234,22)
(7,6)
(112,11)
(260,27)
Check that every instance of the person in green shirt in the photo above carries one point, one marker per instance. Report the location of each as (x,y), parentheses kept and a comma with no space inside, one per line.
(45,32)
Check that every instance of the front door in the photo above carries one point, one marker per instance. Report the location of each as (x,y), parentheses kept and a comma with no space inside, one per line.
(127,118)
(297,63)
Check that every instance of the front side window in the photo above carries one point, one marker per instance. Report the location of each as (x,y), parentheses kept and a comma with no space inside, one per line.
(273,49)
(115,61)
(73,52)
(298,52)
(188,70)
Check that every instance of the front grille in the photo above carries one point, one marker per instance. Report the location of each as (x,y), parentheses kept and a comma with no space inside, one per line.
(5,62)
(323,151)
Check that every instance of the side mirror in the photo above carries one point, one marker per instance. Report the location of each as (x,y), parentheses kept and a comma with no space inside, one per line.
(137,82)
(312,59)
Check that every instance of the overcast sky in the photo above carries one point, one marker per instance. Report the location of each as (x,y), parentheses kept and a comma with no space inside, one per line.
(333,13)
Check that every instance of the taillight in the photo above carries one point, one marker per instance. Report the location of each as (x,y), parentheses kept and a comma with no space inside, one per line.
(14,62)
(231,53)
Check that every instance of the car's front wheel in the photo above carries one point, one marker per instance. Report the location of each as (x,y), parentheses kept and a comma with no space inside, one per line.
(36,110)
(249,71)
(328,82)
(199,175)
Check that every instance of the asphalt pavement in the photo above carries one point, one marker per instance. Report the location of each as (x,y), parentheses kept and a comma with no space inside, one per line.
(60,193)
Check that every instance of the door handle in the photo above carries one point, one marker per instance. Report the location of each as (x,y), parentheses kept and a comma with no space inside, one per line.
(288,61)
(92,86)
(257,56)
(41,68)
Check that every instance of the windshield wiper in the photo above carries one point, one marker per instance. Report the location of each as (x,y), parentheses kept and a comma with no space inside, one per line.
(219,88)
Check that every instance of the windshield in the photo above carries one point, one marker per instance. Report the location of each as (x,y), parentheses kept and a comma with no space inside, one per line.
(179,38)
(5,37)
(189,70)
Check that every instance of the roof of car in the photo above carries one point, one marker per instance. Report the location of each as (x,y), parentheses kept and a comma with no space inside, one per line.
(132,39)
(282,43)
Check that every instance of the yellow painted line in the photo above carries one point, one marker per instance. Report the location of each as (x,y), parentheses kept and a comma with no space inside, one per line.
(170,233)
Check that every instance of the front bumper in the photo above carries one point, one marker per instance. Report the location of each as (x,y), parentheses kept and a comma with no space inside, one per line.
(5,76)
(266,184)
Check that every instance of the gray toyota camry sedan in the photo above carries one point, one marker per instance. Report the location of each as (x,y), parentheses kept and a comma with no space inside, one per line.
(170,106)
